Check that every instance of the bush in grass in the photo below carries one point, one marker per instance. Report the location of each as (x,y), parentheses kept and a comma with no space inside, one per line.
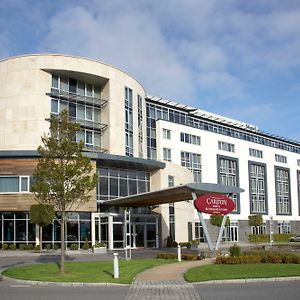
(235,250)
(4,246)
(74,246)
(186,256)
(12,247)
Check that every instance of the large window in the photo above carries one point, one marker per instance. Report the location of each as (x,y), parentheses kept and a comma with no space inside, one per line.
(192,161)
(14,184)
(190,138)
(258,184)
(114,183)
(255,153)
(228,175)
(280,158)
(82,100)
(226,146)
(284,227)
(128,122)
(283,200)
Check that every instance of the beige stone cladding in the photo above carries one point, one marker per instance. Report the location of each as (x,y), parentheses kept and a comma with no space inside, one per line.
(24,105)
(184,211)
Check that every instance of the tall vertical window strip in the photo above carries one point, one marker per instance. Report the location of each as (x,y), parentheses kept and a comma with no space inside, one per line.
(283,201)
(171,211)
(140,125)
(298,181)
(258,195)
(128,122)
(192,161)
(228,175)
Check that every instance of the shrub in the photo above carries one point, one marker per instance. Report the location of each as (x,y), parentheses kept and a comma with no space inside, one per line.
(171,243)
(74,247)
(235,250)
(12,247)
(29,247)
(265,238)
(55,247)
(4,246)
(184,256)
(185,244)
(22,247)
(48,247)
(86,245)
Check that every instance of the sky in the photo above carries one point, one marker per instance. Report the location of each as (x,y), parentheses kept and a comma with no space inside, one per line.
(236,58)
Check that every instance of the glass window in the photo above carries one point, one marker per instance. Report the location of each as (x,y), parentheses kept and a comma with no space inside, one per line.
(64,85)
(79,136)
(55,81)
(89,137)
(24,184)
(9,184)
(80,112)
(72,86)
(63,105)
(89,90)
(72,110)
(54,106)
(97,91)
(89,113)
(81,88)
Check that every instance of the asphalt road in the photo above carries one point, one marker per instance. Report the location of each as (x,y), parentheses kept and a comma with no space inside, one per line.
(283,290)
(15,291)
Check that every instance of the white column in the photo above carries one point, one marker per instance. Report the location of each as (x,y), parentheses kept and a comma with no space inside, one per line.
(93,224)
(110,233)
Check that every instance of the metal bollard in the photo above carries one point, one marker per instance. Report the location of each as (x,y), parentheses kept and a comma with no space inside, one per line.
(179,253)
(116,266)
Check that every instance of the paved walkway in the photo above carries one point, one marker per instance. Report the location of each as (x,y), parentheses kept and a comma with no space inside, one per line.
(165,282)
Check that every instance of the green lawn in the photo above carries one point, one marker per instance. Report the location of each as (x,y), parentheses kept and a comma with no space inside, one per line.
(219,272)
(98,271)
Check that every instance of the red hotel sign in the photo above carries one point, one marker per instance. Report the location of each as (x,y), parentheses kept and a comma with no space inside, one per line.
(214,204)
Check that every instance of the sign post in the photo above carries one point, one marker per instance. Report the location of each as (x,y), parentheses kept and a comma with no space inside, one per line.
(213,204)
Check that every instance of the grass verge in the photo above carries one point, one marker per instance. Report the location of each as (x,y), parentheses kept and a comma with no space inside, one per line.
(97,271)
(241,271)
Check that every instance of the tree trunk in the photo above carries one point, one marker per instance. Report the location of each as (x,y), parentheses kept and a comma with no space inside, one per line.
(62,238)
(41,237)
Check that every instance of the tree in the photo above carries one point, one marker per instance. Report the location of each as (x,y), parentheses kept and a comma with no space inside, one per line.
(41,215)
(256,221)
(63,175)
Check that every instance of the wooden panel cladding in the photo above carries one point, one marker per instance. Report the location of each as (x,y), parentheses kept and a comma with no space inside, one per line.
(23,201)
(17,166)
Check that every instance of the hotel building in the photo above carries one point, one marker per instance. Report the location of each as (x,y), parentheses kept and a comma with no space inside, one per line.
(137,144)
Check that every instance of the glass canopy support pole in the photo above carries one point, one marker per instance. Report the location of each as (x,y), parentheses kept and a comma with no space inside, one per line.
(205,230)
(221,232)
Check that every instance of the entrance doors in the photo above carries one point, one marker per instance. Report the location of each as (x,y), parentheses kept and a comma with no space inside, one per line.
(109,229)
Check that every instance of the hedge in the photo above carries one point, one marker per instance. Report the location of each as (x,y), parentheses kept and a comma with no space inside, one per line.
(265,238)
(272,257)
(184,256)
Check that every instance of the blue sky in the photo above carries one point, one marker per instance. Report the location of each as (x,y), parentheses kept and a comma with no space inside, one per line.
(236,58)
